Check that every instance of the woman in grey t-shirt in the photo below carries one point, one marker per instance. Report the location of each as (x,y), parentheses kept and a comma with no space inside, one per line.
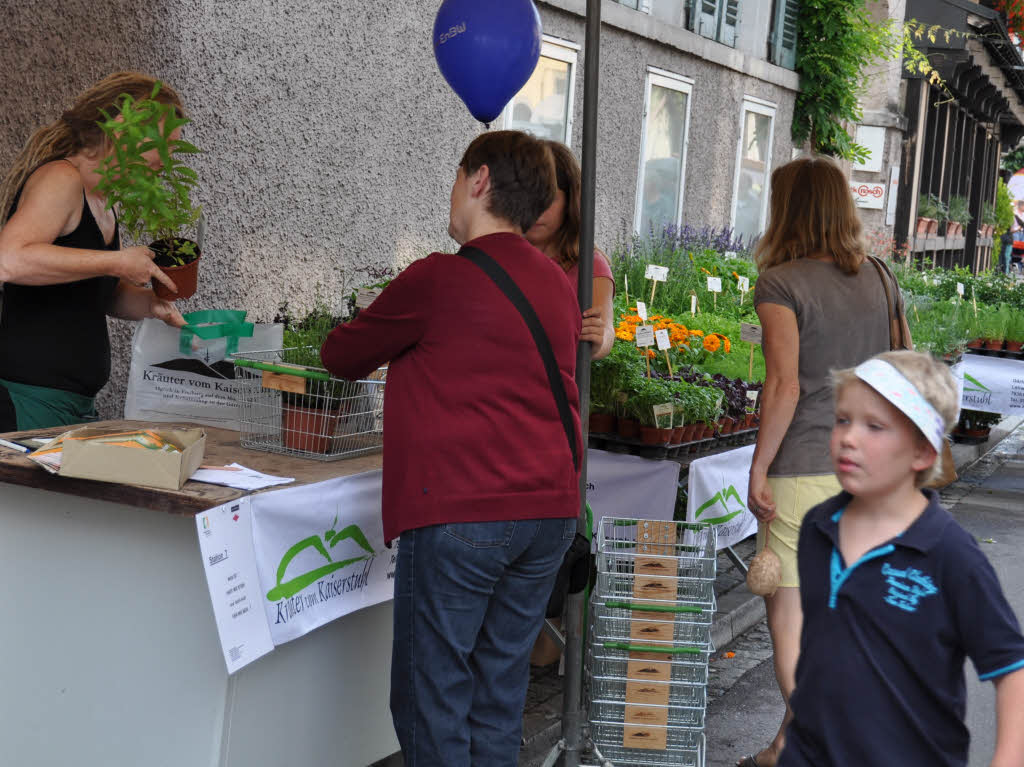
(819,311)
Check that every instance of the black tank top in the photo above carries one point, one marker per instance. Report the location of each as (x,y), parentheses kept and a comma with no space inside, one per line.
(56,335)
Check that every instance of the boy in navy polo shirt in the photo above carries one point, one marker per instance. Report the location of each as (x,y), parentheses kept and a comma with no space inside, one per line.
(895,593)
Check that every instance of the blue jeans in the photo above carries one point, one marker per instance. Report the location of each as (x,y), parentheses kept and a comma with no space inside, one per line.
(469,602)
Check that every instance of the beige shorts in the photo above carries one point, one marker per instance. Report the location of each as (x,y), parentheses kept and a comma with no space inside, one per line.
(794,497)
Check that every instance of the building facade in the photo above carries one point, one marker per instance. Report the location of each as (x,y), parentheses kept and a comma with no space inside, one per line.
(331,140)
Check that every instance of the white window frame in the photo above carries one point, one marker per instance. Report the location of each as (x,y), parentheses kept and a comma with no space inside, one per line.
(768,109)
(664,79)
(559,50)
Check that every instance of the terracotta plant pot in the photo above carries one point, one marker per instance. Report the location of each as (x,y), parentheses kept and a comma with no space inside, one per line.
(1014,346)
(923,225)
(709,431)
(975,343)
(185,277)
(688,432)
(602,423)
(726,425)
(993,345)
(748,420)
(933,227)
(628,428)
(651,435)
(677,435)
(952,229)
(308,429)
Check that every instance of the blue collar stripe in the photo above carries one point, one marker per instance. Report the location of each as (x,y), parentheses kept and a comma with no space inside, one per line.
(1004,670)
(839,575)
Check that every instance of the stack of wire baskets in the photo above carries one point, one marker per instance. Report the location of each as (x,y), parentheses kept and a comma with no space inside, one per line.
(650,638)
(301,410)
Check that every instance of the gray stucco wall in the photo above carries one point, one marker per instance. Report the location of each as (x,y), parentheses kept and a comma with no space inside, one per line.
(331,139)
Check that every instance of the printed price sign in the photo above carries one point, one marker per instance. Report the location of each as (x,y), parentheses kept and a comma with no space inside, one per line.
(656,273)
(663,341)
(641,310)
(752,396)
(645,336)
(750,333)
(715,284)
(960,289)
(366,296)
(743,283)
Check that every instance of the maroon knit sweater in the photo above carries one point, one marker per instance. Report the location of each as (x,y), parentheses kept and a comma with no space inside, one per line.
(471,429)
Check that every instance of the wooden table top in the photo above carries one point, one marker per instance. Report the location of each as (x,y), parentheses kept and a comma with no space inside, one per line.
(222,448)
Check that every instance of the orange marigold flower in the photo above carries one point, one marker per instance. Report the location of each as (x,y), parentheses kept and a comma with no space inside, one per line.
(735,275)
(705,270)
(650,354)
(697,333)
(726,345)
(712,343)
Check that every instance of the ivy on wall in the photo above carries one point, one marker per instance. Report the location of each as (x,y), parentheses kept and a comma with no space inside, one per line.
(837,40)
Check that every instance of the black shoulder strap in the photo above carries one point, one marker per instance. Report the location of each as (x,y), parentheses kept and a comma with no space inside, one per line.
(508,286)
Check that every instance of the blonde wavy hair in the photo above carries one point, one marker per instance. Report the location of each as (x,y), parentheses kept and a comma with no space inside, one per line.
(77,129)
(812,211)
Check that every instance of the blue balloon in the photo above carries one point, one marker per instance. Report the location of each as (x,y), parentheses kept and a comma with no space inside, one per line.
(487,50)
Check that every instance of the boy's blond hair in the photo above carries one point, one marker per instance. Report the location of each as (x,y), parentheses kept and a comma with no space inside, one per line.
(934,382)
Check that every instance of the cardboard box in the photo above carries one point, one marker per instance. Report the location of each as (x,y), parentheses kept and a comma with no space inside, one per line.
(133,466)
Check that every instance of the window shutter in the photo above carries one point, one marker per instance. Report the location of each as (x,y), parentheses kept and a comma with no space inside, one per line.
(703,17)
(783,41)
(730,20)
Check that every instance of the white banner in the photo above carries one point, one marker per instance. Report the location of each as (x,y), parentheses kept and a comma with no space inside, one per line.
(621,485)
(316,552)
(321,554)
(993,384)
(718,494)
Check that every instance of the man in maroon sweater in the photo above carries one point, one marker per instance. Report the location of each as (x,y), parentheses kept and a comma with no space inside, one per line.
(479,476)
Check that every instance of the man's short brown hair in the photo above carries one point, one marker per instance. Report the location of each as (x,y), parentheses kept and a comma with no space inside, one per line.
(522,173)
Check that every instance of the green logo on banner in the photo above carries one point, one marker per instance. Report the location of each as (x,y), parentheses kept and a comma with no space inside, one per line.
(723,497)
(976,385)
(286,589)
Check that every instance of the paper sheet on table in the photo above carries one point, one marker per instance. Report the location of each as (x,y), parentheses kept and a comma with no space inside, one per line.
(242,478)
(229,559)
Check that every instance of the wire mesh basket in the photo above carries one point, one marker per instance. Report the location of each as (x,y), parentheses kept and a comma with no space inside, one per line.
(299,410)
(683,747)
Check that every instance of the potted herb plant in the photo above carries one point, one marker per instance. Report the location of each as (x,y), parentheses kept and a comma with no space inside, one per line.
(989,219)
(1015,331)
(145,175)
(974,426)
(309,420)
(930,211)
(649,393)
(992,322)
(958,216)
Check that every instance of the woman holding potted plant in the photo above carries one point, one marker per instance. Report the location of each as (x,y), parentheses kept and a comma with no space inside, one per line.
(63,267)
(557,235)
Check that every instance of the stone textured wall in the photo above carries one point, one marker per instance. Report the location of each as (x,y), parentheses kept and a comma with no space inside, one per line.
(330,138)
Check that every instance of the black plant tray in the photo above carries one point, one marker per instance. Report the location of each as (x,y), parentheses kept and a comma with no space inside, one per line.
(613,443)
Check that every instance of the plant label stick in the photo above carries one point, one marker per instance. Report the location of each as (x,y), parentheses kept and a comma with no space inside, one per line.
(693,304)
(752,335)
(974,301)
(645,338)
(625,282)
(641,310)
(743,283)
(664,344)
(715,287)
(960,289)
(655,274)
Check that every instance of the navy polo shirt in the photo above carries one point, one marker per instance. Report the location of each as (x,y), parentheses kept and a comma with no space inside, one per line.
(880,679)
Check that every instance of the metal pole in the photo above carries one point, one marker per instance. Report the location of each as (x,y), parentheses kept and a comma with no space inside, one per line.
(571,695)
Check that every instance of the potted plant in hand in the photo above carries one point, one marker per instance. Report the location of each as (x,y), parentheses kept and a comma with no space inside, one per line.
(146,177)
(958,216)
